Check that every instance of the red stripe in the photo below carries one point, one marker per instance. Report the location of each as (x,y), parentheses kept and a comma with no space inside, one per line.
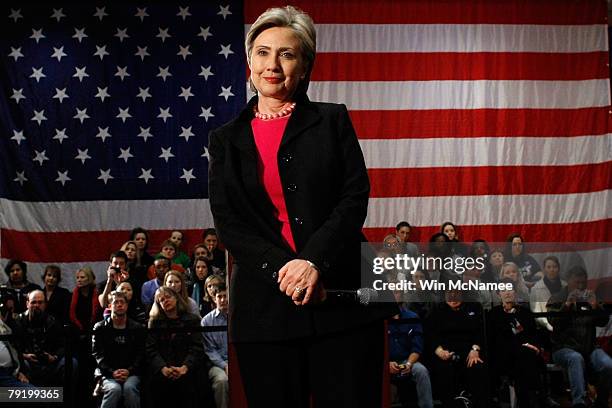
(594,231)
(442,12)
(489,180)
(393,124)
(459,66)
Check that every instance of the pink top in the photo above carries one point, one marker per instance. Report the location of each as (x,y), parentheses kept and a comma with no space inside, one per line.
(268,135)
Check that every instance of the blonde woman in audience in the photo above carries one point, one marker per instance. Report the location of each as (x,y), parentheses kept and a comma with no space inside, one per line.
(176,281)
(511,271)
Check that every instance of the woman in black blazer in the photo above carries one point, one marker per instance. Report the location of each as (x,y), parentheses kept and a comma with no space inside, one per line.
(289,194)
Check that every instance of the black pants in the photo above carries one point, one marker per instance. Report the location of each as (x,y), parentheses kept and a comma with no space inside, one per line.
(343,369)
(454,377)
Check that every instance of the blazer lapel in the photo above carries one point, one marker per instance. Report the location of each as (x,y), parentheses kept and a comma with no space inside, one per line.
(303,117)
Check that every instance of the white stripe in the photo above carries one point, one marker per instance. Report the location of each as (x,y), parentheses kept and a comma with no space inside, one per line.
(486,151)
(105,215)
(492,210)
(480,94)
(460,38)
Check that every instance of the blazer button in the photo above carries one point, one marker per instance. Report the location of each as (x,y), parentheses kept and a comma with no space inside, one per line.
(264,265)
(325,264)
(292,188)
(274,275)
(298,220)
(287,158)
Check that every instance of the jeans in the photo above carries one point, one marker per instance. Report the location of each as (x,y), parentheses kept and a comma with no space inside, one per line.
(220,386)
(8,380)
(113,390)
(420,376)
(573,362)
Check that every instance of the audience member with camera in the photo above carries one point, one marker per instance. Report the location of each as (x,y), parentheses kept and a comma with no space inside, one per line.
(11,374)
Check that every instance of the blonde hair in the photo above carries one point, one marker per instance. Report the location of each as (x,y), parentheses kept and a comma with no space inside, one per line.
(183,292)
(157,313)
(89,273)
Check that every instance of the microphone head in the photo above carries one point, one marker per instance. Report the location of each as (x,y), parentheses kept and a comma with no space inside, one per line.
(367,296)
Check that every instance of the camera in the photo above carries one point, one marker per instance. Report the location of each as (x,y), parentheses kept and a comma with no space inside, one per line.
(116,269)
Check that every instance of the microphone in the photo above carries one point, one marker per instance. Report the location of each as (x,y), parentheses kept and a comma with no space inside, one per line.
(363,296)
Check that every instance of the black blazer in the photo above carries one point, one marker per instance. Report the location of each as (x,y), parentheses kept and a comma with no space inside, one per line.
(326,186)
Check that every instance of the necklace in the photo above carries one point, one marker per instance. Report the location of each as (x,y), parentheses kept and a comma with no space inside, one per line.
(267,116)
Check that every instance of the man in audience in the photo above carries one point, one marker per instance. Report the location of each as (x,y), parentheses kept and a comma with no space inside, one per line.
(574,341)
(116,273)
(215,346)
(161,265)
(119,355)
(10,365)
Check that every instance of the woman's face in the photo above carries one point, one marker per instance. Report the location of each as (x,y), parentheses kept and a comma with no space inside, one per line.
(81,279)
(551,269)
(210,288)
(211,242)
(510,272)
(141,241)
(497,258)
(174,283)
(517,246)
(130,251)
(449,231)
(177,238)
(201,252)
(276,63)
(201,270)
(167,302)
(126,288)
(16,274)
(50,279)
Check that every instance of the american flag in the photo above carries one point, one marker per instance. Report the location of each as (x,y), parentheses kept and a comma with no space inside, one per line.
(490,114)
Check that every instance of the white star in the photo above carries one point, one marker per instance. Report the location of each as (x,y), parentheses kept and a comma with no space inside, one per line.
(186,133)
(125,154)
(21,178)
(226,92)
(60,94)
(185,93)
(188,175)
(62,177)
(105,175)
(184,52)
(164,114)
(37,73)
(206,113)
(122,72)
(103,134)
(16,53)
(166,154)
(60,135)
(206,72)
(224,11)
(205,153)
(205,33)
(79,34)
(17,95)
(82,156)
(163,34)
(39,116)
(80,73)
(102,93)
(101,52)
(81,115)
(142,13)
(37,35)
(225,50)
(58,53)
(100,13)
(164,72)
(145,133)
(40,157)
(18,136)
(144,94)
(142,52)
(15,15)
(146,175)
(183,12)
(57,14)
(124,114)
(122,34)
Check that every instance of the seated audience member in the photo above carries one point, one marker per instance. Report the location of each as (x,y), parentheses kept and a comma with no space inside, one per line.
(574,341)
(138,273)
(480,249)
(528,267)
(510,270)
(17,272)
(136,310)
(198,292)
(161,265)
(457,248)
(211,241)
(402,230)
(119,355)
(482,296)
(495,262)
(168,250)
(141,237)
(211,283)
(215,346)
(116,273)
(512,348)
(456,337)
(199,251)
(11,374)
(405,350)
(173,358)
(439,248)
(58,298)
(180,258)
(41,342)
(176,281)
(421,300)
(549,285)
(85,309)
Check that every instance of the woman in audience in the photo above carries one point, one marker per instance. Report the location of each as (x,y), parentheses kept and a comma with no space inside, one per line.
(141,237)
(211,284)
(181,258)
(510,270)
(199,293)
(199,251)
(85,309)
(176,281)
(457,248)
(528,267)
(138,273)
(136,310)
(480,249)
(545,288)
(496,260)
(17,272)
(218,256)
(174,358)
(58,298)
(439,248)
(456,332)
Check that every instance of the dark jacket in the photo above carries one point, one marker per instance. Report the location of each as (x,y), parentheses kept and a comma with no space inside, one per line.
(116,348)
(456,330)
(42,335)
(58,304)
(326,186)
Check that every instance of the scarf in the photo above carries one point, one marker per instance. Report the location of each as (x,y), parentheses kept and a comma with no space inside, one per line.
(553,286)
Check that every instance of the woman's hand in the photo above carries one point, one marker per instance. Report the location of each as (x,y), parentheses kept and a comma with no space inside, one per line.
(394,367)
(473,358)
(299,280)
(443,354)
